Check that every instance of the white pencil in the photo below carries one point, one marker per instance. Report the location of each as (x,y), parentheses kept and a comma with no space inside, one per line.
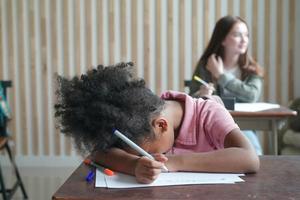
(135,146)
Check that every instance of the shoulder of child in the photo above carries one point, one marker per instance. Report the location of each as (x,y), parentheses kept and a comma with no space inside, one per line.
(215,99)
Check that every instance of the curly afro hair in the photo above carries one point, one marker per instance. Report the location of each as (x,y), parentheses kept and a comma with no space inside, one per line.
(90,107)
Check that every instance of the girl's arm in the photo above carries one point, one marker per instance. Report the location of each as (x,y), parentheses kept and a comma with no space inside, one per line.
(248,90)
(117,159)
(237,157)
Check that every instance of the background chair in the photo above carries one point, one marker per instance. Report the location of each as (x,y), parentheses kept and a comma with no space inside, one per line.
(7,193)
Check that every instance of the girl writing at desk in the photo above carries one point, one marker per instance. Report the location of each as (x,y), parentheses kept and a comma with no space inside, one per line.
(181,132)
(226,66)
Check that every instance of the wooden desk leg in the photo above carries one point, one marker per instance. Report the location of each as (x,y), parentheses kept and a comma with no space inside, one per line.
(275,136)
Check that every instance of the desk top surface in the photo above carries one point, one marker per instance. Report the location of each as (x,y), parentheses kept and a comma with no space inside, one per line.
(278,178)
(280,112)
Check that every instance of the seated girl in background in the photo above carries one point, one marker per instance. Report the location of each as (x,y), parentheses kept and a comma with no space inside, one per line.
(182,133)
(227,66)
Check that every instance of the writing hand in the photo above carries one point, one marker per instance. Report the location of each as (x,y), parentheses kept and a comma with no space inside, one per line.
(147,170)
(205,90)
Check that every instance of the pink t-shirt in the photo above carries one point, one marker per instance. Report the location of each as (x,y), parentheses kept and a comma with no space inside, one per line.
(204,126)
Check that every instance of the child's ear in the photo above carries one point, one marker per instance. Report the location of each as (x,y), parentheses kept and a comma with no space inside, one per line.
(160,124)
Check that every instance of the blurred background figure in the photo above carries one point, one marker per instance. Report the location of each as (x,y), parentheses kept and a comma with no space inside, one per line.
(229,70)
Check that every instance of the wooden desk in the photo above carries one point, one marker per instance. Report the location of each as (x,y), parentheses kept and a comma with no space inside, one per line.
(278,178)
(267,120)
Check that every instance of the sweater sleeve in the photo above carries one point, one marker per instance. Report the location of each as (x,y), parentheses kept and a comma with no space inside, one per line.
(248,90)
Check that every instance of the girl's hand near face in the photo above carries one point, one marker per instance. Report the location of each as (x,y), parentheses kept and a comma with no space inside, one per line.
(215,66)
(147,170)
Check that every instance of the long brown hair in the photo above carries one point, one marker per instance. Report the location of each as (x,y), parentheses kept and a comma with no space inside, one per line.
(223,26)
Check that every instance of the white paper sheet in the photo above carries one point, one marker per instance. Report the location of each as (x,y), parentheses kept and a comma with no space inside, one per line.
(254,107)
(120,180)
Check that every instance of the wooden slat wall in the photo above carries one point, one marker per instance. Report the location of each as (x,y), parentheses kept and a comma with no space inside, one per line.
(163,38)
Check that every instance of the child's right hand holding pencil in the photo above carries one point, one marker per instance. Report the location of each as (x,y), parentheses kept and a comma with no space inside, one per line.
(147,170)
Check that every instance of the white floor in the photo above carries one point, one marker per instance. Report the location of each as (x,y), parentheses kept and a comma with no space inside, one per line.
(40,182)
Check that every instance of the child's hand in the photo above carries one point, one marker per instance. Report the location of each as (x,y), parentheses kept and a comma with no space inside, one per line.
(206,90)
(147,170)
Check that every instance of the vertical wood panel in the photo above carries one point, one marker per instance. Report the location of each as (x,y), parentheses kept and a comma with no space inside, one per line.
(111,40)
(71,38)
(267,54)
(163,46)
(77,27)
(284,53)
(60,60)
(88,37)
(140,39)
(278,52)
(147,18)
(49,99)
(291,51)
(206,22)
(4,42)
(16,75)
(218,9)
(152,45)
(158,45)
(10,70)
(187,40)
(100,31)
(272,51)
(195,39)
(94,32)
(43,79)
(83,38)
(117,31)
(170,22)
(176,45)
(249,11)
(134,31)
(254,27)
(200,33)
(24,145)
(106,32)
(230,7)
(68,69)
(260,33)
(181,44)
(27,79)
(57,135)
(69,11)
(33,81)
(38,76)
(123,34)
(291,41)
(243,9)
(212,17)
(128,31)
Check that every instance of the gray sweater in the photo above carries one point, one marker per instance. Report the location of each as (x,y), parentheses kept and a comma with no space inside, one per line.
(248,90)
